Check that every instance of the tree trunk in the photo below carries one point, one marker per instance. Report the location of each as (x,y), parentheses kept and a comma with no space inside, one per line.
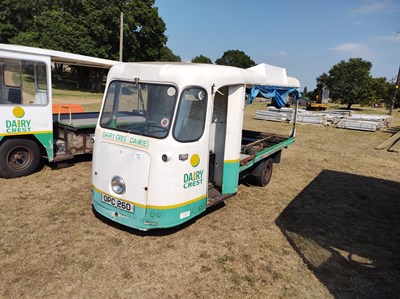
(349,106)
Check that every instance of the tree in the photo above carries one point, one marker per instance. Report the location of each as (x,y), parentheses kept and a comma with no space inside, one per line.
(305,94)
(235,58)
(89,27)
(380,89)
(322,82)
(17,16)
(390,94)
(61,30)
(349,82)
(168,55)
(143,30)
(202,59)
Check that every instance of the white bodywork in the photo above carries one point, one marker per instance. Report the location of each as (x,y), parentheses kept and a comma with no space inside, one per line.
(26,101)
(58,56)
(156,187)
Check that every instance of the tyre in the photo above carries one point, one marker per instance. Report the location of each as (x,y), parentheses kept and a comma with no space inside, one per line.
(262,174)
(18,157)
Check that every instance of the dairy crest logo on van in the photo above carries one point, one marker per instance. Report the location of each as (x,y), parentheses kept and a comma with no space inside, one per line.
(18,112)
(195,160)
(126,139)
(18,125)
(193,179)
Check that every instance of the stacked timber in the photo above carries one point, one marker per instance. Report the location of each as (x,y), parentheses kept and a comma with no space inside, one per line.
(365,122)
(339,113)
(382,120)
(343,119)
(355,124)
(311,119)
(333,116)
(271,115)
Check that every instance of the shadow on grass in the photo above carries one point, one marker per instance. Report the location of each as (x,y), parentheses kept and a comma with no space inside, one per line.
(346,228)
(156,232)
(66,163)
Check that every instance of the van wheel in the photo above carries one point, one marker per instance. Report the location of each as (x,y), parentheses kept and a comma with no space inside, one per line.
(18,157)
(263,173)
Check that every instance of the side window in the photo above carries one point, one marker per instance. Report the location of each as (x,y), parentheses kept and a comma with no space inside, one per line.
(34,83)
(24,82)
(190,119)
(12,74)
(41,75)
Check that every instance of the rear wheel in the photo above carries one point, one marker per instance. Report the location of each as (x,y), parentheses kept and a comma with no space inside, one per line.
(263,173)
(18,157)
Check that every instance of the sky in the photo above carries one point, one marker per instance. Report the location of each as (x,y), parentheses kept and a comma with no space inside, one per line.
(306,37)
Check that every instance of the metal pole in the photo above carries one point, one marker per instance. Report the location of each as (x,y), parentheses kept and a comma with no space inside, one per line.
(395,92)
(121,36)
(293,132)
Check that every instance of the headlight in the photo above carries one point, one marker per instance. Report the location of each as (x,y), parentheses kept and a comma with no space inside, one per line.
(118,185)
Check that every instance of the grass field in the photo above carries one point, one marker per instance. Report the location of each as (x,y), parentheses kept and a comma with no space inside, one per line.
(90,101)
(327,225)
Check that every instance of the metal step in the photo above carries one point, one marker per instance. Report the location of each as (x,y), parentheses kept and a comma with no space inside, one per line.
(62,157)
(215,196)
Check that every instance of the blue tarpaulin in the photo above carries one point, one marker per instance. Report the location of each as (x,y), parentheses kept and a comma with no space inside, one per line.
(279,94)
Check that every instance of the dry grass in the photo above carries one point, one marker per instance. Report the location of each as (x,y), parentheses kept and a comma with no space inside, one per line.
(90,101)
(326,226)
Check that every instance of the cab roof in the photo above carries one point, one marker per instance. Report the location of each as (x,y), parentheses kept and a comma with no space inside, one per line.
(206,75)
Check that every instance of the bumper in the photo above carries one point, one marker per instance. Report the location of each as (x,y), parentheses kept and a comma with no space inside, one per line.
(150,217)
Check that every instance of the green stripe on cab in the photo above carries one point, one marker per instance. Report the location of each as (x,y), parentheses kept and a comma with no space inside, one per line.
(46,139)
(230,177)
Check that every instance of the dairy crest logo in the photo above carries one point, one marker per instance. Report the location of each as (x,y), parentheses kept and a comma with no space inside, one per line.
(18,112)
(18,125)
(195,178)
(195,160)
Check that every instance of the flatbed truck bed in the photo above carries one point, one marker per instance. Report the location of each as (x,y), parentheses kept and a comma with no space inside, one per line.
(72,134)
(257,148)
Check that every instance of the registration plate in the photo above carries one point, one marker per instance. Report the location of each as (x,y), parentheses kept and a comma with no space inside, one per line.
(120,204)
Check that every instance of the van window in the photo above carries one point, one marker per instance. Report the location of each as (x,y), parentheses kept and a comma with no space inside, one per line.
(12,74)
(139,108)
(24,82)
(191,116)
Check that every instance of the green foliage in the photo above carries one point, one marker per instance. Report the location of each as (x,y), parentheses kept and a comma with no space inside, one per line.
(380,89)
(17,16)
(349,82)
(168,56)
(390,94)
(322,81)
(89,27)
(61,30)
(305,94)
(201,59)
(235,58)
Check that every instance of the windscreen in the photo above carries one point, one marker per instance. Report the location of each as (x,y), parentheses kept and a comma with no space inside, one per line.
(139,108)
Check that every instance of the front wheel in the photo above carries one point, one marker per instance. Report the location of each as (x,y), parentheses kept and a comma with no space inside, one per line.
(263,173)
(18,157)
